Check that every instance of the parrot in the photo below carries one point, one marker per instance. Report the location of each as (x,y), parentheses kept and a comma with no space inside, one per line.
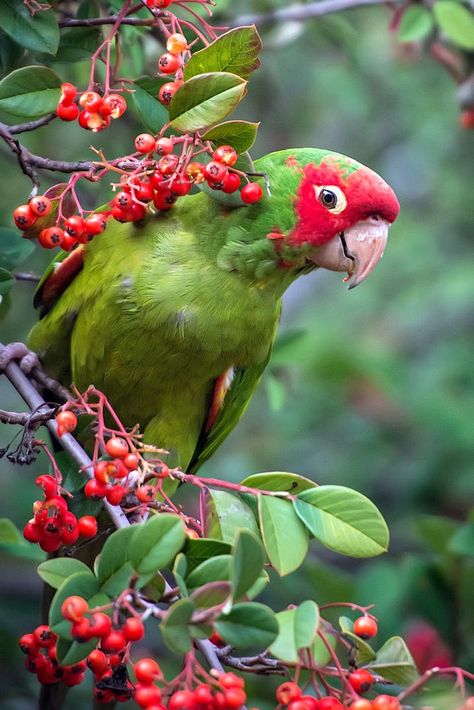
(174,318)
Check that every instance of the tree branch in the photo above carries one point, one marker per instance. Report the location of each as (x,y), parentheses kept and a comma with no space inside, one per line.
(107,20)
(26,418)
(298,13)
(31,125)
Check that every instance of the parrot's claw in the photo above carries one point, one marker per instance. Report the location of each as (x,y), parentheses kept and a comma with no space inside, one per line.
(27,359)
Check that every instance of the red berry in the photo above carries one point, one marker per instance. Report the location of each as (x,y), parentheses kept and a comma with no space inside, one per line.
(147,670)
(251,193)
(164,200)
(32,532)
(164,146)
(71,679)
(91,101)
(158,4)
(181,186)
(48,484)
(94,489)
(234,698)
(131,461)
(73,608)
(74,226)
(67,242)
(146,494)
(365,627)
(147,695)
(167,92)
(133,629)
(95,223)
(120,215)
(67,112)
(202,694)
(44,637)
(230,680)
(176,43)
(117,447)
(87,526)
(361,704)
(168,164)
(143,192)
(40,205)
(66,422)
(51,237)
(466,118)
(225,154)
(97,662)
(361,680)
(386,702)
(182,700)
(137,212)
(113,105)
(328,703)
(310,703)
(104,696)
(50,544)
(123,200)
(101,625)
(286,692)
(115,494)
(145,143)
(28,644)
(231,183)
(114,641)
(70,530)
(68,93)
(169,63)
(214,171)
(24,217)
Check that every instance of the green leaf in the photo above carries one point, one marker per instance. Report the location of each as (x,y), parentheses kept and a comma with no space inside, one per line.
(204,100)
(306,624)
(7,281)
(276,391)
(285,648)
(39,32)
(225,513)
(114,568)
(156,543)
(179,573)
(197,551)
(78,44)
(174,626)
(235,51)
(213,594)
(30,92)
(9,533)
(54,572)
(284,536)
(70,652)
(365,652)
(278,481)
(248,625)
(456,21)
(240,135)
(462,542)
(395,663)
(13,249)
(214,569)
(247,562)
(343,520)
(416,23)
(84,584)
(151,112)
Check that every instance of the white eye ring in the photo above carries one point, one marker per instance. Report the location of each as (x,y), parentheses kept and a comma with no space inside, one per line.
(331,197)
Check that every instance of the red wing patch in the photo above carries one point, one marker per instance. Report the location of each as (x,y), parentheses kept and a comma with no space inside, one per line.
(60,278)
(222,386)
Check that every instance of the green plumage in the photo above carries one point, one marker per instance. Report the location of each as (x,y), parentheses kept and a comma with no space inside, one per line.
(161,310)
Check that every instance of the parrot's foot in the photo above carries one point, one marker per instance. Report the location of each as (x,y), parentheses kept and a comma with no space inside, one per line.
(18,352)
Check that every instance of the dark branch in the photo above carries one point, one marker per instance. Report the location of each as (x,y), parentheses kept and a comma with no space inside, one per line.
(26,418)
(107,20)
(31,125)
(27,276)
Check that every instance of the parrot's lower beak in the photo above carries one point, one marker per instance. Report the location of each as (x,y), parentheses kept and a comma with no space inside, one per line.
(357,250)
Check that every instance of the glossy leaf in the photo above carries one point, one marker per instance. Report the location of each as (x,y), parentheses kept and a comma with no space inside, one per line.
(456,21)
(39,32)
(278,481)
(151,112)
(78,44)
(30,92)
(204,100)
(284,536)
(416,23)
(84,584)
(197,551)
(306,624)
(70,652)
(212,570)
(114,568)
(226,512)
(240,135)
(343,520)
(235,51)
(179,573)
(247,562)
(7,281)
(174,626)
(213,594)
(55,571)
(395,663)
(13,249)
(9,533)
(285,648)
(248,625)
(156,543)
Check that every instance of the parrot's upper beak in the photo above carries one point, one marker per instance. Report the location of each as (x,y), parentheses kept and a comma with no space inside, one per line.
(357,250)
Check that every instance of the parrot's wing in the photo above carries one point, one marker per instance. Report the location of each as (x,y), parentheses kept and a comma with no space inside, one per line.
(57,277)
(232,394)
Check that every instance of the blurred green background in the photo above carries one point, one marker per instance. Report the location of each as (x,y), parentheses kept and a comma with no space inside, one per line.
(371,389)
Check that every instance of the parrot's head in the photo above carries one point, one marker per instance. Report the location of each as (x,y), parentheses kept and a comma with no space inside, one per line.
(344,211)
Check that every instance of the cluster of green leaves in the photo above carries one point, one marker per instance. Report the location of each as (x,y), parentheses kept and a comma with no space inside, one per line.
(450,17)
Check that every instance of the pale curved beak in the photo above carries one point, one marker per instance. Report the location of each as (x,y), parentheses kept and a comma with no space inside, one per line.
(357,250)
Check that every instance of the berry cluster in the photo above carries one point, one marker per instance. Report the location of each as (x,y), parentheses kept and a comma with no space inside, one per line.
(171,62)
(290,694)
(109,474)
(229,695)
(26,215)
(53,524)
(97,111)
(40,648)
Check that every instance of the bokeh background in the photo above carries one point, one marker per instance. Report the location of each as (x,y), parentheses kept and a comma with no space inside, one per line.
(371,389)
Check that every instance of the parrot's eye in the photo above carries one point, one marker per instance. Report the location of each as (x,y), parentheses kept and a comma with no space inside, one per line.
(331,197)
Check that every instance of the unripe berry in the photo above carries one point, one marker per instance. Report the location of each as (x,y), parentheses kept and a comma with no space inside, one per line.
(24,217)
(251,193)
(176,43)
(365,627)
(40,205)
(145,143)
(67,112)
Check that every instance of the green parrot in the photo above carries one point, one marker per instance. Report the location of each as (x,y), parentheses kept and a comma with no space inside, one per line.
(174,318)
